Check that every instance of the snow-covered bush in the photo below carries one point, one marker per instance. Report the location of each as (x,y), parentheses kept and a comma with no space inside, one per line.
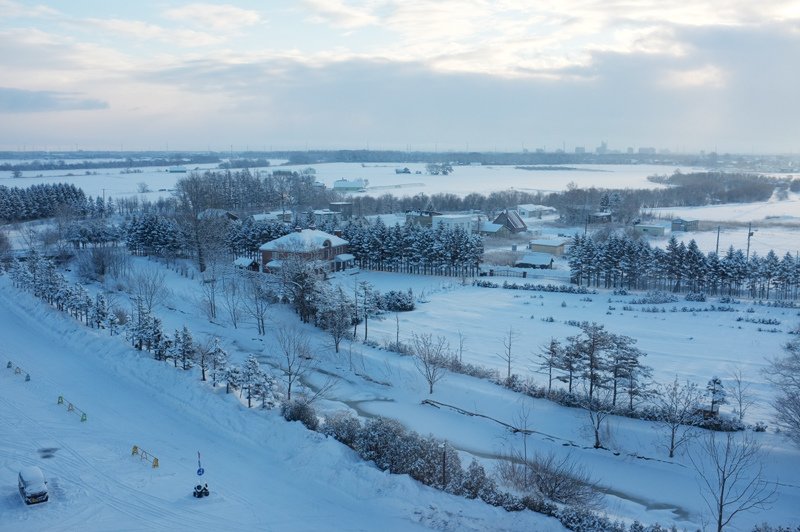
(302,411)
(342,426)
(696,296)
(456,365)
(399,347)
(764,527)
(380,440)
(654,298)
(582,520)
(476,484)
(397,301)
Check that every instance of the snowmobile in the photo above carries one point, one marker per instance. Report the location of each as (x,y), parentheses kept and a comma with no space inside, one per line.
(200,491)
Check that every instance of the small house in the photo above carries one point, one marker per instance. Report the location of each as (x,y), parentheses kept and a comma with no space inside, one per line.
(530,210)
(328,251)
(548,246)
(511,220)
(600,218)
(679,224)
(424,218)
(244,263)
(490,229)
(453,221)
(356,185)
(274,216)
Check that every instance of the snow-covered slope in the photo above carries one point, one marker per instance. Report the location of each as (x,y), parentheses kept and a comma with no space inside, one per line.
(263,473)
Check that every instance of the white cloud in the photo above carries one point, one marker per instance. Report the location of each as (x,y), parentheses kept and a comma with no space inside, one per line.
(342,14)
(10,9)
(145,31)
(216,17)
(708,77)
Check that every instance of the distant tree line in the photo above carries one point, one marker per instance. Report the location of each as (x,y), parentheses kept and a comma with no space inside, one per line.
(39,201)
(489,158)
(126,162)
(575,204)
(624,262)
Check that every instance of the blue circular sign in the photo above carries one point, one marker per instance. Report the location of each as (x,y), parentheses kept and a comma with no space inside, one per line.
(200,472)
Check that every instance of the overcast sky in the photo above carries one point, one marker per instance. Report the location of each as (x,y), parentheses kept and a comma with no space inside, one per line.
(400,74)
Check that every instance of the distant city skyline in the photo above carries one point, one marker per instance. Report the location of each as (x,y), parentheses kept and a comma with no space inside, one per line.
(468,75)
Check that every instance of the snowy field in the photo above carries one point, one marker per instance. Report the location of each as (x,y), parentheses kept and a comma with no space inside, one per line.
(382,178)
(266,474)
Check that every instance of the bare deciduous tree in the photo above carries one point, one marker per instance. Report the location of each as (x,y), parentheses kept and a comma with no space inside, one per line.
(559,479)
(462,340)
(232,296)
(210,288)
(508,350)
(256,299)
(739,394)
(677,405)
(784,374)
(598,406)
(295,355)
(206,351)
(148,287)
(731,476)
(430,356)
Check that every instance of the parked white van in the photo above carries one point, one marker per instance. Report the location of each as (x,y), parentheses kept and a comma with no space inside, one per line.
(32,485)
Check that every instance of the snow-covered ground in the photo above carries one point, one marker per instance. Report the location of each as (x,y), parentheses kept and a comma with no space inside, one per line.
(382,178)
(265,473)
(776,225)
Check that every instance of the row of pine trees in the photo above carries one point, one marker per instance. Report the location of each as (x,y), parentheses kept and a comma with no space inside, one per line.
(622,262)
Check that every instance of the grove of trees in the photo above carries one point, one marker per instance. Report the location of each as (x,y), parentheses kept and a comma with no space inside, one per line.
(627,263)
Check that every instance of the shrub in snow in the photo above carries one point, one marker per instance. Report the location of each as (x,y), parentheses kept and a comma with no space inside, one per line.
(581,520)
(396,301)
(696,296)
(654,298)
(381,440)
(760,426)
(399,347)
(456,365)
(539,505)
(302,411)
(342,426)
(476,484)
(722,423)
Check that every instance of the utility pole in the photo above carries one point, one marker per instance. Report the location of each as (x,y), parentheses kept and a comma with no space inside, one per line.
(717,251)
(444,465)
(749,235)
